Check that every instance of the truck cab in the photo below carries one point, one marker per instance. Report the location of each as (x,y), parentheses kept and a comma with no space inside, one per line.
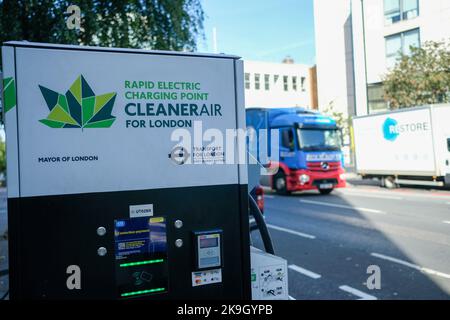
(309,157)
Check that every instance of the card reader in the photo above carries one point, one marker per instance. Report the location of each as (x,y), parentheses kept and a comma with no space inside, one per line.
(208,249)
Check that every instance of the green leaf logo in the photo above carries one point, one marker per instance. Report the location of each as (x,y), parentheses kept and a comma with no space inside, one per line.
(9,93)
(79,107)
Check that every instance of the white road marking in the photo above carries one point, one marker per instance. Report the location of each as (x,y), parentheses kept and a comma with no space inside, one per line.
(358,293)
(403,193)
(268,196)
(412,265)
(342,206)
(447,222)
(300,234)
(304,271)
(252,220)
(371,196)
(292,298)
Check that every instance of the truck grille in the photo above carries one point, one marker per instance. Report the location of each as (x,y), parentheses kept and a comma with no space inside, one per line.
(321,166)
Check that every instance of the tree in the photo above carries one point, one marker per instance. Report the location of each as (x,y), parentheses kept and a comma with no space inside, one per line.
(423,77)
(151,24)
(342,120)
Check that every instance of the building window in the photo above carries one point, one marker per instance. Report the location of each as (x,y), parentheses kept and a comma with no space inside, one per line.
(303,79)
(294,83)
(410,39)
(257,83)
(392,12)
(285,83)
(399,44)
(275,78)
(393,49)
(398,10)
(410,9)
(267,82)
(375,95)
(247,81)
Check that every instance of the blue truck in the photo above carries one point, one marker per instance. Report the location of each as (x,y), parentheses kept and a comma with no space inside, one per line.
(309,156)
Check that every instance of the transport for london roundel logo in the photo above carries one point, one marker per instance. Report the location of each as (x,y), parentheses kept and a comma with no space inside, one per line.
(79,107)
(390,129)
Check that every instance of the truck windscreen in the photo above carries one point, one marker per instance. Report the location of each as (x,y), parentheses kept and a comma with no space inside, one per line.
(319,139)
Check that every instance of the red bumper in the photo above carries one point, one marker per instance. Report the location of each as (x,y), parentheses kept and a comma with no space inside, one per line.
(316,178)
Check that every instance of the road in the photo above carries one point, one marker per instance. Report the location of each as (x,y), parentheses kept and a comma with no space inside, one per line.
(330,241)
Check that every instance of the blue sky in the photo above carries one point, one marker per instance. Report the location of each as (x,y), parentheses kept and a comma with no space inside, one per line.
(262,30)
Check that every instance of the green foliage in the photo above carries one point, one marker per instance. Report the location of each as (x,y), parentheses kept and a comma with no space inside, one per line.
(342,121)
(151,24)
(421,78)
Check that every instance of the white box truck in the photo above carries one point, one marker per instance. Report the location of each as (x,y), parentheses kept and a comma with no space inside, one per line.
(408,146)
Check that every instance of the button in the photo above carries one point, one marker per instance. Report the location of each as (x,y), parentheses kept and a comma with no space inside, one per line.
(101,251)
(101,231)
(178,224)
(178,243)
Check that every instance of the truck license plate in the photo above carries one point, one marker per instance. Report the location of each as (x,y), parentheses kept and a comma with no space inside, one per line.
(326,186)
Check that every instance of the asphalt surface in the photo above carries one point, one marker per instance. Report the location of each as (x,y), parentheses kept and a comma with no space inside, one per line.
(330,241)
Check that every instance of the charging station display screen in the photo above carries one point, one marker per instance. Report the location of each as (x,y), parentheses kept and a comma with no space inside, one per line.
(208,249)
(140,236)
(141,256)
(209,242)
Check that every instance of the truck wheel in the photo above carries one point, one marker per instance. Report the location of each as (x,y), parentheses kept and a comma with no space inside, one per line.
(325,191)
(279,183)
(389,183)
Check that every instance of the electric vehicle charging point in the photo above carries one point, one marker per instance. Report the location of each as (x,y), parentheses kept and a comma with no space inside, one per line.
(103,203)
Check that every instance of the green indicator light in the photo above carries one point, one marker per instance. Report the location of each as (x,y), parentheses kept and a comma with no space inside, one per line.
(127,294)
(139,263)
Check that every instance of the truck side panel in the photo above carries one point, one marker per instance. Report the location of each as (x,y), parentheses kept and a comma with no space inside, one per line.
(398,143)
(441,134)
(257,119)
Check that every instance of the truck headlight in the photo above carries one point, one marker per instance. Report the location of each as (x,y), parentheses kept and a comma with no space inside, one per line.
(304,178)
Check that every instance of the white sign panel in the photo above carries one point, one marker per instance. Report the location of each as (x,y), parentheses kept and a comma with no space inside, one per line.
(92,121)
(142,210)
(399,142)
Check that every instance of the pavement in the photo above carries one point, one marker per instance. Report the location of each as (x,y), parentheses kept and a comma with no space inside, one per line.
(331,241)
